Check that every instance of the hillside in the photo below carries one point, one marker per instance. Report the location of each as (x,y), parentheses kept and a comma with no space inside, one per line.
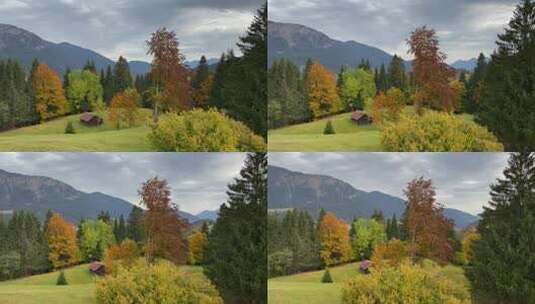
(298,43)
(288,189)
(40,193)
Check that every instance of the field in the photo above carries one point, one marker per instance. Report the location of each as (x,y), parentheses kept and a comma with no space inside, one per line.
(307,287)
(40,289)
(308,137)
(50,136)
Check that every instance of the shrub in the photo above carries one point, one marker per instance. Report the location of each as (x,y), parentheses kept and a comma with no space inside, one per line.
(122,255)
(327,277)
(69,129)
(280,263)
(161,282)
(406,283)
(437,132)
(391,253)
(124,109)
(329,129)
(203,131)
(62,280)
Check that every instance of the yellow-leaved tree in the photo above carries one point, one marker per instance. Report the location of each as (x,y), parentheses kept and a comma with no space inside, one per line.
(197,246)
(334,240)
(62,243)
(322,95)
(124,109)
(50,98)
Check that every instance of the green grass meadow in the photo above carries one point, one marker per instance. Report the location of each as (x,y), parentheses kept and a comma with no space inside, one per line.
(42,289)
(50,136)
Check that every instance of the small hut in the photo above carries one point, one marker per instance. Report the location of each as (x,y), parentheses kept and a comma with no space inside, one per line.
(361,118)
(90,119)
(365,266)
(97,268)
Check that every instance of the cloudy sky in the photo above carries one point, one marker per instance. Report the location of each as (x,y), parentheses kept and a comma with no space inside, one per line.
(461,179)
(465,27)
(121,27)
(198,180)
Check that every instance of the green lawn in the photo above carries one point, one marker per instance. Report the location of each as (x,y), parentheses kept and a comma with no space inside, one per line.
(42,288)
(308,137)
(49,136)
(306,288)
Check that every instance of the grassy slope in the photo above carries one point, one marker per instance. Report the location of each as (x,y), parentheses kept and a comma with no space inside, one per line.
(50,136)
(309,136)
(42,288)
(307,288)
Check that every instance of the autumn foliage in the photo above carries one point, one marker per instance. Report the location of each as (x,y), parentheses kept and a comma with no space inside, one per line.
(197,246)
(202,94)
(62,243)
(163,225)
(391,253)
(124,109)
(334,240)
(431,72)
(49,94)
(426,227)
(121,255)
(322,96)
(387,107)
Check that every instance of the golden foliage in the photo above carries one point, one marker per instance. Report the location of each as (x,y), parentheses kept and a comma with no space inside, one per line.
(123,255)
(62,243)
(322,96)
(202,94)
(468,245)
(387,107)
(50,98)
(197,245)
(391,254)
(124,109)
(334,240)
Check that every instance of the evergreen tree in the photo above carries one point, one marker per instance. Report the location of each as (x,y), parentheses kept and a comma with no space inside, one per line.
(135,229)
(504,256)
(108,86)
(122,79)
(383,80)
(507,106)
(202,73)
(235,257)
(396,74)
(474,86)
(90,66)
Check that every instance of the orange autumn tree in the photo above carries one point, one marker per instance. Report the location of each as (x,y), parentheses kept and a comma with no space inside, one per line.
(62,242)
(121,255)
(163,225)
(387,107)
(124,108)
(197,245)
(169,71)
(322,94)
(202,94)
(431,72)
(50,98)
(334,240)
(424,223)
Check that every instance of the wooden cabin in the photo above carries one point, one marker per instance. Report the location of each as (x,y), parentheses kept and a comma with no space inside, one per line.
(361,118)
(97,268)
(90,119)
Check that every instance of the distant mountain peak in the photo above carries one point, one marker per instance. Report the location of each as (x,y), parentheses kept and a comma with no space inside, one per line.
(12,36)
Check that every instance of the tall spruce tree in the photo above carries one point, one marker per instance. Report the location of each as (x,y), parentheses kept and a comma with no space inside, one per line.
(503,263)
(236,253)
(396,73)
(507,106)
(122,79)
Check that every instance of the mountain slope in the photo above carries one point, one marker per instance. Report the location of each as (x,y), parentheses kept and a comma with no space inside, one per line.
(468,65)
(17,43)
(288,189)
(39,193)
(298,43)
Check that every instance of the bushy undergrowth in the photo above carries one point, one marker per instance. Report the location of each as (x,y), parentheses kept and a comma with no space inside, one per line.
(203,131)
(407,283)
(158,283)
(437,132)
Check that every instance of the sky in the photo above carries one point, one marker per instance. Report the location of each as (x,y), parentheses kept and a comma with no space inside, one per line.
(465,27)
(198,181)
(121,27)
(461,179)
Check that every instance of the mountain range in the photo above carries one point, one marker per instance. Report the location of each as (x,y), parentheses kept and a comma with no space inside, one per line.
(294,190)
(38,194)
(297,43)
(25,46)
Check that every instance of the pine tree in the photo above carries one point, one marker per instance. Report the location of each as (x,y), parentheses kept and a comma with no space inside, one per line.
(327,277)
(504,256)
(474,86)
(135,229)
(236,258)
(396,74)
(122,79)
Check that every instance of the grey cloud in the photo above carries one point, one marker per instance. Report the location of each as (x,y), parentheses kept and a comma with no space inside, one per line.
(461,179)
(121,27)
(198,180)
(465,27)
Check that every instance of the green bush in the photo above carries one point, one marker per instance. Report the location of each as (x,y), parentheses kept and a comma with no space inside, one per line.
(62,280)
(407,283)
(327,277)
(329,129)
(437,132)
(155,283)
(203,131)
(69,128)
